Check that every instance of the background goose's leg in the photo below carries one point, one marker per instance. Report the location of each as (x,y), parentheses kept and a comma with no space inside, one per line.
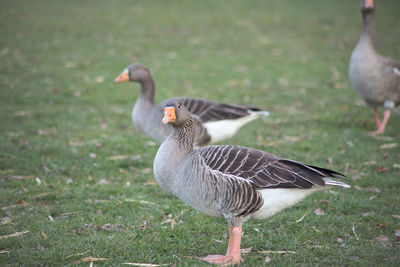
(381,127)
(378,121)
(232,253)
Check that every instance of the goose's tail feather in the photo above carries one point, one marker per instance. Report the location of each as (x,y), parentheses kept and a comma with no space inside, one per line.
(335,183)
(258,112)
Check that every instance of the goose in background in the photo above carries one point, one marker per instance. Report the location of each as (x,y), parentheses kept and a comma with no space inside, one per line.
(214,121)
(233,182)
(374,77)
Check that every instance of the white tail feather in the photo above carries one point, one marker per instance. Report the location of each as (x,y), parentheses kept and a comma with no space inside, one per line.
(260,113)
(335,183)
(396,71)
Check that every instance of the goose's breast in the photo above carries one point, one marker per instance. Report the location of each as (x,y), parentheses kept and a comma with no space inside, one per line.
(365,79)
(194,186)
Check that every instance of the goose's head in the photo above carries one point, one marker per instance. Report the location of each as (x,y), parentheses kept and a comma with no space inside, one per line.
(133,73)
(175,113)
(367,5)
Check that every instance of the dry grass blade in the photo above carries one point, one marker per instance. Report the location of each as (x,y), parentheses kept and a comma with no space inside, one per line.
(69,213)
(302,217)
(44,235)
(387,146)
(354,232)
(118,157)
(22,177)
(19,204)
(278,252)
(246,250)
(9,207)
(5,220)
(13,235)
(78,254)
(87,259)
(140,201)
(144,264)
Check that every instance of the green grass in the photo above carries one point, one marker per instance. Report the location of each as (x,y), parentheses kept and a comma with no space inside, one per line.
(61,118)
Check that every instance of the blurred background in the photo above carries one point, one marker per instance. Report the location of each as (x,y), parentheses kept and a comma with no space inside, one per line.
(63,121)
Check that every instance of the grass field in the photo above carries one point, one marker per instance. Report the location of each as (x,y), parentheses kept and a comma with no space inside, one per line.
(75,176)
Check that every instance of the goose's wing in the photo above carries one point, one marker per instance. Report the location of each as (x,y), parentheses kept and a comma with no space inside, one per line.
(391,72)
(390,62)
(208,110)
(264,170)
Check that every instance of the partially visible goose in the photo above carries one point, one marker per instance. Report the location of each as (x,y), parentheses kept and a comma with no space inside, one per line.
(374,77)
(233,182)
(214,121)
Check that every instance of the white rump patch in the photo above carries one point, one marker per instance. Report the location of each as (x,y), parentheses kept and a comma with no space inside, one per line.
(279,199)
(396,71)
(224,129)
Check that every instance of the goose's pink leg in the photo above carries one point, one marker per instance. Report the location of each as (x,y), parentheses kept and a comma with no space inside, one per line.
(378,121)
(232,253)
(381,127)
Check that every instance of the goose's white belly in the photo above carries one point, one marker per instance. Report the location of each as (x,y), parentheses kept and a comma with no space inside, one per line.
(224,129)
(279,199)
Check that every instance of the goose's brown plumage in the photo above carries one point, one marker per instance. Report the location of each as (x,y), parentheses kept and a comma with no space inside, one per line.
(207,110)
(214,121)
(262,169)
(374,77)
(233,182)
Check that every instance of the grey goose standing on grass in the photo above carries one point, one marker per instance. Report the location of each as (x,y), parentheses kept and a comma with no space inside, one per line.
(374,77)
(233,182)
(214,121)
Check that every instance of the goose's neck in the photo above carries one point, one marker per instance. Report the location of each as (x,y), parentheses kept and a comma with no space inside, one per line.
(184,136)
(367,35)
(147,91)
(171,154)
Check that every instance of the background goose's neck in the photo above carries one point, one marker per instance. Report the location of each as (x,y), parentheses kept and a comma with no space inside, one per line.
(147,91)
(367,35)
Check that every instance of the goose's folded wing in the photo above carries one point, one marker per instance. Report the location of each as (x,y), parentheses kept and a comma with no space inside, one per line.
(390,66)
(390,62)
(262,169)
(208,110)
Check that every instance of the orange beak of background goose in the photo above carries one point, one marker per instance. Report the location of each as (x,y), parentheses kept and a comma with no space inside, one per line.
(369,4)
(169,115)
(123,77)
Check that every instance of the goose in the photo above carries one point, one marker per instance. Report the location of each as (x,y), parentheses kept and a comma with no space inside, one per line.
(233,182)
(374,77)
(214,121)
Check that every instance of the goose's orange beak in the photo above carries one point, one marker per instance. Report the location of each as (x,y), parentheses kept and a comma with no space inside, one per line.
(369,4)
(169,115)
(123,77)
